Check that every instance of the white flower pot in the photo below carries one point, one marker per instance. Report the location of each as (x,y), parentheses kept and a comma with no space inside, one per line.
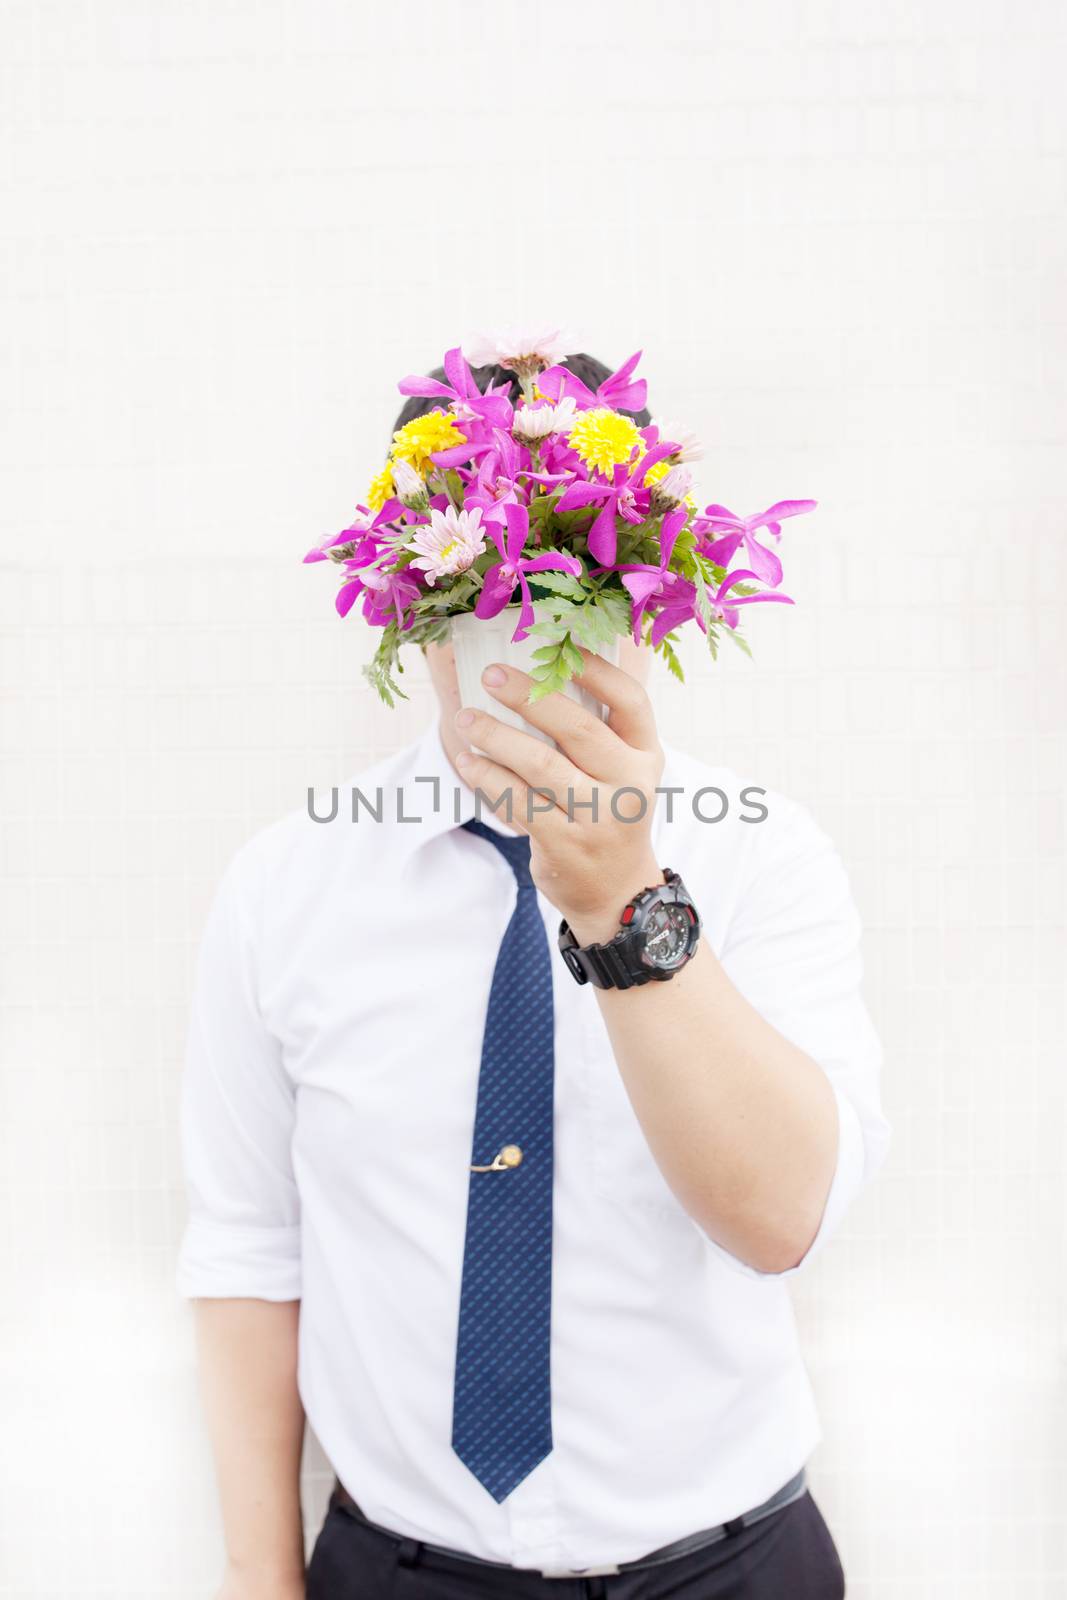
(477,642)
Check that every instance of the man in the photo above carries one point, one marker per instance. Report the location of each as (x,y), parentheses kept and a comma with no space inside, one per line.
(516,1245)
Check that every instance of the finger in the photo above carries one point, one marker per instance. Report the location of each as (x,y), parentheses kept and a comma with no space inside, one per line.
(534,761)
(582,735)
(630,713)
(509,798)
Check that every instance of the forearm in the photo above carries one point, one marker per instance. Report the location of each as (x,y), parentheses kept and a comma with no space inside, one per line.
(742,1124)
(248,1365)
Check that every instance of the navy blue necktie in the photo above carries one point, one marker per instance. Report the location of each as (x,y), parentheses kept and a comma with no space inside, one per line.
(502,1404)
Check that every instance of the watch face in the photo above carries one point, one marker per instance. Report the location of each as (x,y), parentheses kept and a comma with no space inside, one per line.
(666,934)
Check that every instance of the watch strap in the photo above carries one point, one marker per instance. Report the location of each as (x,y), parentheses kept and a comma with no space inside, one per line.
(602,965)
(606,966)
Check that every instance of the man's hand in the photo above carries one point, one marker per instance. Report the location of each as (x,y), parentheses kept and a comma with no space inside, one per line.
(742,1123)
(588,862)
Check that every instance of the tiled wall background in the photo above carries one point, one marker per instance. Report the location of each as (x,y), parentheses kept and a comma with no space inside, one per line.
(837,228)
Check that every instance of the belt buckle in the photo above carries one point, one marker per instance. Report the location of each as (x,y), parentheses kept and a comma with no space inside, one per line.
(580,1572)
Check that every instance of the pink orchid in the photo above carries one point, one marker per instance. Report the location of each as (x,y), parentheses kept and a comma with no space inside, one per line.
(623,495)
(386,595)
(493,484)
(616,391)
(726,610)
(492,447)
(504,459)
(675,597)
(494,405)
(513,566)
(735,531)
(646,584)
(680,604)
(363,527)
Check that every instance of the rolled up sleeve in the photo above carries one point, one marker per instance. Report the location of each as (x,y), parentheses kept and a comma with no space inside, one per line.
(793,950)
(242,1236)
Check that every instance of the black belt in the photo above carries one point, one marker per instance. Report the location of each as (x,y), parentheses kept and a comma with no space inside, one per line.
(692,1542)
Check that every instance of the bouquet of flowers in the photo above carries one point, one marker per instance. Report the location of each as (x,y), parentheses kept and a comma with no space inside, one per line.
(557,498)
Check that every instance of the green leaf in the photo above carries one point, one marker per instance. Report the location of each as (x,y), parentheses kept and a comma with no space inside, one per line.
(563,612)
(453,487)
(556,669)
(461,589)
(591,628)
(614,604)
(572,655)
(666,650)
(703,603)
(379,671)
(560,583)
(741,643)
(430,630)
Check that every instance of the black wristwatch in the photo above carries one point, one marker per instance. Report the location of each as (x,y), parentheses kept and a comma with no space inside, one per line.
(659,933)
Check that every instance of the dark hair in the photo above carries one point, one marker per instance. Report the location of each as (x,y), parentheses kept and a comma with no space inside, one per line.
(591,371)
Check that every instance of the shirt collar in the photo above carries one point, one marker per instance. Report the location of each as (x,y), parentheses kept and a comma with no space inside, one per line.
(429,798)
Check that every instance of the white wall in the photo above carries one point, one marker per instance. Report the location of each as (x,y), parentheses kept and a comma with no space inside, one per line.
(837,229)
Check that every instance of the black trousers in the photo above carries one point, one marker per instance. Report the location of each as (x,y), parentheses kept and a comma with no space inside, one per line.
(788,1555)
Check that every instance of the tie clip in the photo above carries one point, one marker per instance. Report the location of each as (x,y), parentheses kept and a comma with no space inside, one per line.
(509,1157)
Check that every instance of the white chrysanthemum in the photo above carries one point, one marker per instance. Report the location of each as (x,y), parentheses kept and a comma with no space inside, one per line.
(675,484)
(538,344)
(406,480)
(409,486)
(690,447)
(533,423)
(449,543)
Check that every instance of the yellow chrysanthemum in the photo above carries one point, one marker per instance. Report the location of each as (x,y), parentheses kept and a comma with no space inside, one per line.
(603,438)
(417,441)
(381,487)
(657,472)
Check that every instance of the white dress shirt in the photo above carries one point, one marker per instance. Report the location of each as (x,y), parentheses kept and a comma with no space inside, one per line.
(328,1113)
